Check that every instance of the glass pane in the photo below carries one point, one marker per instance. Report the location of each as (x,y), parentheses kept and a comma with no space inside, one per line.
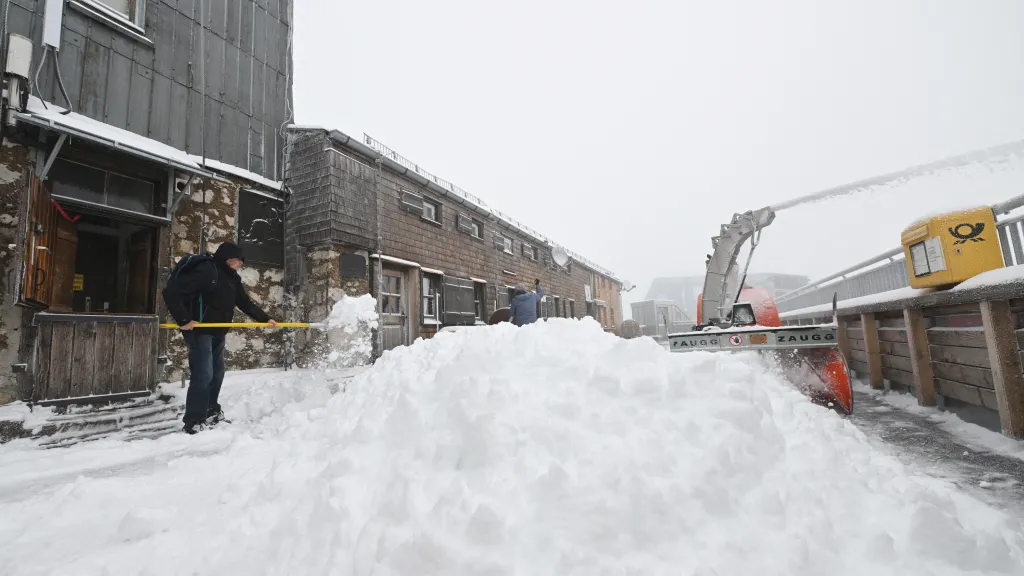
(119,6)
(384,303)
(77,181)
(130,193)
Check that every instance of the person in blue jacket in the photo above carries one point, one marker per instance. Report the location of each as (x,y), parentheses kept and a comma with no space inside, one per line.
(523,309)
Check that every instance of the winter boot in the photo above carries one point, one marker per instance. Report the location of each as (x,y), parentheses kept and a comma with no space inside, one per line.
(215,417)
(194,428)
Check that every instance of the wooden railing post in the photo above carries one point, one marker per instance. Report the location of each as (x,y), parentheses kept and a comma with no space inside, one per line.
(844,337)
(920,356)
(1006,366)
(872,349)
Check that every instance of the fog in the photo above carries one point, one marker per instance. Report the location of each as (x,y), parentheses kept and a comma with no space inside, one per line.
(629,133)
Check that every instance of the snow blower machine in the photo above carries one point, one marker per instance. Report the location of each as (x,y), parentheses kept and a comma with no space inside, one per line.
(734,317)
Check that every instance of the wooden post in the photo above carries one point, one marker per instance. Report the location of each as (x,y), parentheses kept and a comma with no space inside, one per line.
(873,350)
(844,337)
(920,356)
(1006,366)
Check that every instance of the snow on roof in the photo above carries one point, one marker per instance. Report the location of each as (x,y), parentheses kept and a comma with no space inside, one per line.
(1008,275)
(397,260)
(51,115)
(240,172)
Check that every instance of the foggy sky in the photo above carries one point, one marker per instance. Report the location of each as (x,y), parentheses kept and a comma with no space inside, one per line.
(629,132)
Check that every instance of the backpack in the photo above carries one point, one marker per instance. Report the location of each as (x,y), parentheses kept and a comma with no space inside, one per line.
(185,264)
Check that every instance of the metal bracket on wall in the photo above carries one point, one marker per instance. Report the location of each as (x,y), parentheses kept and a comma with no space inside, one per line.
(174,204)
(53,156)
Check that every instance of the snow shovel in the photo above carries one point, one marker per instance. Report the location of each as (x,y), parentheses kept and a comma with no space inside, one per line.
(319,325)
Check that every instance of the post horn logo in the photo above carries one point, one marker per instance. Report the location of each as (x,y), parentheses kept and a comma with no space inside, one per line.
(973,231)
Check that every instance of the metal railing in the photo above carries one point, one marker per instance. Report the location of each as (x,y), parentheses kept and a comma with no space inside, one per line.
(888,271)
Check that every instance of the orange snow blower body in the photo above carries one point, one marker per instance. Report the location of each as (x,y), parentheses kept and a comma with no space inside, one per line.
(819,371)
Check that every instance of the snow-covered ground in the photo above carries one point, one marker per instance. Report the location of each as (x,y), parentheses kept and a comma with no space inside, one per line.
(553,449)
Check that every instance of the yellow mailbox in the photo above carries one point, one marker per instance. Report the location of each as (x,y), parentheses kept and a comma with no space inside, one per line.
(950,248)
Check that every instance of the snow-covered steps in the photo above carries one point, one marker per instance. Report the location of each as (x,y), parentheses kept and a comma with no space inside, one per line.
(55,427)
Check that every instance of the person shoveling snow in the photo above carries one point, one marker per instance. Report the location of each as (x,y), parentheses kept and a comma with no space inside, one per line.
(204,288)
(523,309)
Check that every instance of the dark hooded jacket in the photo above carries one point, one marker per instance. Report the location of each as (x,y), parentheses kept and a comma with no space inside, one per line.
(210,291)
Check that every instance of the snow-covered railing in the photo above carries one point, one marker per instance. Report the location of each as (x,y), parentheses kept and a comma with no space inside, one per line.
(887,272)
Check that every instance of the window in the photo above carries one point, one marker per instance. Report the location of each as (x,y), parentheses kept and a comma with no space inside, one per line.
(558,308)
(261,228)
(572,308)
(479,300)
(611,316)
(76,181)
(502,243)
(391,296)
(472,227)
(430,296)
(432,211)
(129,11)
(529,251)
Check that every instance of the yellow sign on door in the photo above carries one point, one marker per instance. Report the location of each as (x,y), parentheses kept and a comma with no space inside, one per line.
(79,282)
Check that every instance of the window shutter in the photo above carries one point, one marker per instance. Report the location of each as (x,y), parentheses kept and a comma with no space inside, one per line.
(411,202)
(465,224)
(458,302)
(499,242)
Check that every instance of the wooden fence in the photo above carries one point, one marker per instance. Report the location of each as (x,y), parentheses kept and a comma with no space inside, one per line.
(961,350)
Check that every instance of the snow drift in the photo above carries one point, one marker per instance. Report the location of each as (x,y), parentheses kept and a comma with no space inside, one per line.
(552,449)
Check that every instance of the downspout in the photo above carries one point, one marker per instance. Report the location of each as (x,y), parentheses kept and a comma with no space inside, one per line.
(202,91)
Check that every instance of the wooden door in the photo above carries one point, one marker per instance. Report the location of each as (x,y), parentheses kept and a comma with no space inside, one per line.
(394,306)
(37,281)
(139,290)
(65,253)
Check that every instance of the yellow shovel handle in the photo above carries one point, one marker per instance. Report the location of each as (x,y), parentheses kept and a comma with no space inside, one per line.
(242,325)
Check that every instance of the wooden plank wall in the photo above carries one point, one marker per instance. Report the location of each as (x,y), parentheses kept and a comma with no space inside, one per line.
(93,358)
(960,360)
(858,360)
(895,352)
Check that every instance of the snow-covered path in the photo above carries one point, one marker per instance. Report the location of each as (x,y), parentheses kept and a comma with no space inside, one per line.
(554,449)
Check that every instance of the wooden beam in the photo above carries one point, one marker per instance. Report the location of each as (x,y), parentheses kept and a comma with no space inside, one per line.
(873,351)
(1006,366)
(844,338)
(920,357)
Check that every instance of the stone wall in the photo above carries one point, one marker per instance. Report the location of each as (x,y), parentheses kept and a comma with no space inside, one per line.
(244,348)
(14,158)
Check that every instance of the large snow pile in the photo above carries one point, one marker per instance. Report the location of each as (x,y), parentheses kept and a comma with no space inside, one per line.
(552,449)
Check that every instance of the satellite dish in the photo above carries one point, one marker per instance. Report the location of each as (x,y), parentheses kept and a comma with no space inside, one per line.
(559,255)
(627,285)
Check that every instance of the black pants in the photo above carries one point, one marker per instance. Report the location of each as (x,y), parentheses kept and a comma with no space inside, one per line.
(206,364)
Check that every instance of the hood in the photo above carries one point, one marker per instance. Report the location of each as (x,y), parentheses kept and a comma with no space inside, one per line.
(520,288)
(228,250)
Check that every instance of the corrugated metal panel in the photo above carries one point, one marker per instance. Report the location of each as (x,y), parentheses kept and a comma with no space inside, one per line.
(181,122)
(213,122)
(231,54)
(160,23)
(257,90)
(215,47)
(141,94)
(259,29)
(94,80)
(219,19)
(72,57)
(181,54)
(234,22)
(194,144)
(119,79)
(160,121)
(245,83)
(246,36)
